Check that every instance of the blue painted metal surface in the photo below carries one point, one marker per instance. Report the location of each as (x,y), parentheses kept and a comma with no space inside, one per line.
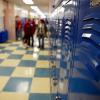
(79,36)
(3,36)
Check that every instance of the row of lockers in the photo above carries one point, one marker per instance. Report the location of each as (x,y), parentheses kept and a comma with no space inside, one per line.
(75,44)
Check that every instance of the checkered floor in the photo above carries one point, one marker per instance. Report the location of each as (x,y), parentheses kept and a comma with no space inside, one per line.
(24,74)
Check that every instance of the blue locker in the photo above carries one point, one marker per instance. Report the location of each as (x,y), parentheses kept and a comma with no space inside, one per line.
(78,43)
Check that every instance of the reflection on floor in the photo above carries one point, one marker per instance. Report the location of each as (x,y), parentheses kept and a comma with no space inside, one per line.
(24,74)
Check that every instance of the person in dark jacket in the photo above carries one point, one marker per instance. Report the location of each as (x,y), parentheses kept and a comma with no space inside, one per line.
(41,34)
(45,28)
(27,32)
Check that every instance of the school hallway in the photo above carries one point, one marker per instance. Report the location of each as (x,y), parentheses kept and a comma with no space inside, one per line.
(24,74)
(63,63)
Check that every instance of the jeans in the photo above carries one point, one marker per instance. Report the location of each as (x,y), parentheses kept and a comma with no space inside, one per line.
(32,42)
(41,41)
(18,34)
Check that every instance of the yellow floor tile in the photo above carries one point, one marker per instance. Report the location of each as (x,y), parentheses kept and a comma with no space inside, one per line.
(40,85)
(3,81)
(44,52)
(42,64)
(19,52)
(11,48)
(47,46)
(23,72)
(47,42)
(30,49)
(10,63)
(13,96)
(27,57)
(3,56)
(17,42)
(4,45)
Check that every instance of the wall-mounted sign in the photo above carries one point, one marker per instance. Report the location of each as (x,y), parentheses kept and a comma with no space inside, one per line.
(95,2)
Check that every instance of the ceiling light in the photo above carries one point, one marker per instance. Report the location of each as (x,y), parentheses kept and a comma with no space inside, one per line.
(35,8)
(28,1)
(38,11)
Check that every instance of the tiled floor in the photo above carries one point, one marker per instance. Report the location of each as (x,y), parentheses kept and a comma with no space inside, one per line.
(24,74)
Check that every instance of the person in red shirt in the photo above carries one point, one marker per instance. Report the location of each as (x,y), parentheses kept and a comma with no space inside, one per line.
(33,28)
(27,32)
(18,29)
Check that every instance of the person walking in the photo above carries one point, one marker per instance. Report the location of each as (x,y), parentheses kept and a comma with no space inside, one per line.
(45,28)
(18,28)
(27,32)
(33,28)
(41,34)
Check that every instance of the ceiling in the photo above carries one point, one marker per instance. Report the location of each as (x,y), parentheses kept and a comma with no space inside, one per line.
(42,4)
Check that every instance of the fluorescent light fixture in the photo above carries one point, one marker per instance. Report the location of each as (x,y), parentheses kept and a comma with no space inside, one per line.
(35,8)
(38,11)
(24,13)
(28,1)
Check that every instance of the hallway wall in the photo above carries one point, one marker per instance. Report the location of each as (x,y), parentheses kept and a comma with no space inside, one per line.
(9,20)
(1,15)
(19,11)
(8,12)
